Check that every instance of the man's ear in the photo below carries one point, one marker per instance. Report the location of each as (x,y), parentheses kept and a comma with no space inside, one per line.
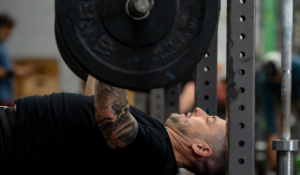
(201,150)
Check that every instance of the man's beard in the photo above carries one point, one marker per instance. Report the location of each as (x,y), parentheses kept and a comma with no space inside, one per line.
(179,123)
(174,118)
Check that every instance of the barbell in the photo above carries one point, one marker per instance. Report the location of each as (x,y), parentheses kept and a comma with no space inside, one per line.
(69,60)
(135,44)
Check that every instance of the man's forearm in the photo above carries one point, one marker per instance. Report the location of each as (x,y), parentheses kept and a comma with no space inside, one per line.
(113,117)
(90,86)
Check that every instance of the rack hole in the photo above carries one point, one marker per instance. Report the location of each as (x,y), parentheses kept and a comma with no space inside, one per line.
(242,125)
(158,106)
(158,116)
(242,1)
(172,93)
(241,143)
(242,18)
(172,104)
(241,161)
(206,83)
(206,55)
(206,97)
(242,72)
(206,69)
(242,36)
(242,108)
(207,111)
(242,90)
(242,54)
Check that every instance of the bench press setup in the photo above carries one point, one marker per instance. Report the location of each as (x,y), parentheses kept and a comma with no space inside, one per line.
(151,46)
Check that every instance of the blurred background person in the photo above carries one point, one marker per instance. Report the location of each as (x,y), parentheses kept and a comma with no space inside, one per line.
(269,89)
(6,71)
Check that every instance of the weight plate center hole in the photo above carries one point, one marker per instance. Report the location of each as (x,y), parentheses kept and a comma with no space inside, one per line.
(139,9)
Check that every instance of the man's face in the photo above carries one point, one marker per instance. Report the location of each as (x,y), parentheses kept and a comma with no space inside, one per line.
(5,32)
(196,122)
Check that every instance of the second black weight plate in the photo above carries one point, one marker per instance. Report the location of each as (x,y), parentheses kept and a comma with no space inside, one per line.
(75,68)
(137,54)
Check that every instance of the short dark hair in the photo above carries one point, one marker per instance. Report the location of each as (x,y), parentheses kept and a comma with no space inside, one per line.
(6,21)
(216,163)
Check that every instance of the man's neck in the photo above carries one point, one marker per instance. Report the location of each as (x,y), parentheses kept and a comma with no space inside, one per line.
(179,147)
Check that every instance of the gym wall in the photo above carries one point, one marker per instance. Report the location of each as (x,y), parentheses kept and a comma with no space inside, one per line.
(33,37)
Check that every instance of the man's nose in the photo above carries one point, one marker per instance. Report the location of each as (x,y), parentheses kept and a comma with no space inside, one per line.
(198,112)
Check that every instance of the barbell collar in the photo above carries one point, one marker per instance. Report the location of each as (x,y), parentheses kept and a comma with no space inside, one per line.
(285,145)
(139,9)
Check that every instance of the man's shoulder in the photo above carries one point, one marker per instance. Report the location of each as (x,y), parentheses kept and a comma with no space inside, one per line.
(71,95)
(59,95)
(71,99)
(147,121)
(153,137)
(152,132)
(56,99)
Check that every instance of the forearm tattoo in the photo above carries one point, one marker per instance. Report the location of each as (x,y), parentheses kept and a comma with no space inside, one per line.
(113,117)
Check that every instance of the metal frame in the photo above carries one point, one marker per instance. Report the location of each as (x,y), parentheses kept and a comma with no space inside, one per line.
(172,99)
(141,101)
(206,80)
(157,104)
(240,86)
(164,101)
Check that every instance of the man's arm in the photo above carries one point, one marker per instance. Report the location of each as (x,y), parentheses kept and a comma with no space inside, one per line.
(90,86)
(187,97)
(113,117)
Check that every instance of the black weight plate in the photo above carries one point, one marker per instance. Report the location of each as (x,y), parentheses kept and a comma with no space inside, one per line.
(137,54)
(75,68)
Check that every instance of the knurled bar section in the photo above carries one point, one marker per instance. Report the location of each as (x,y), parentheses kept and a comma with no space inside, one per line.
(240,86)
(206,80)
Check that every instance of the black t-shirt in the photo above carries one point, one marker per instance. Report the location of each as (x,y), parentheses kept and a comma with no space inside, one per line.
(57,134)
